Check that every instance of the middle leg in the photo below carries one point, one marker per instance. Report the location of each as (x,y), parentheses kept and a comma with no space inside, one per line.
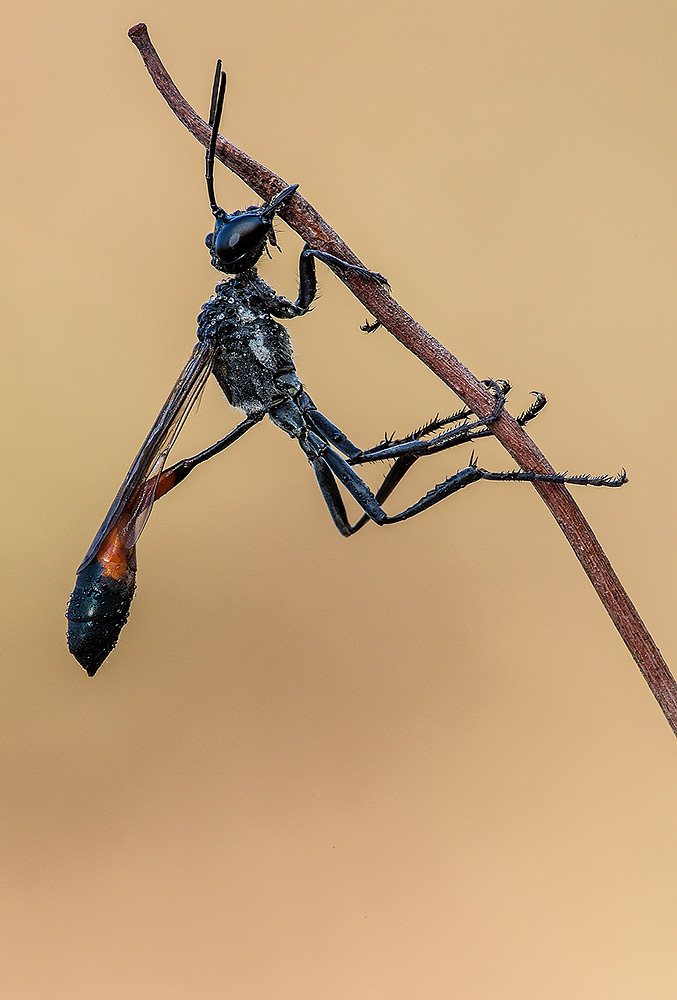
(405,452)
(318,437)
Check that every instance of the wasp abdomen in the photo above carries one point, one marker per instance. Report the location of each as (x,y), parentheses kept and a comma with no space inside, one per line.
(97,610)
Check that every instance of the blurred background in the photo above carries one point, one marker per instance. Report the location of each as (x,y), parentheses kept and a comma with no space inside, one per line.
(419,763)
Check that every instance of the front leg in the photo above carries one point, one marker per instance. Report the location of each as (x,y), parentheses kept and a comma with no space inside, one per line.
(307,267)
(282,308)
(337,264)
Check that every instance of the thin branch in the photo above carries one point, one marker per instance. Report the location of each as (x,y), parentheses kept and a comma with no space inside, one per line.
(307,222)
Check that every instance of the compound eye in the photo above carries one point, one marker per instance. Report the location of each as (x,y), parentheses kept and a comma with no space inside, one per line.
(238,238)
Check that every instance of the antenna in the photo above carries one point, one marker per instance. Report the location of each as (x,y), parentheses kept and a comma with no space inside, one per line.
(215,111)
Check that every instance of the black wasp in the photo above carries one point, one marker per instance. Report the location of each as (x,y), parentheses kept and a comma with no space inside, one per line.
(250,355)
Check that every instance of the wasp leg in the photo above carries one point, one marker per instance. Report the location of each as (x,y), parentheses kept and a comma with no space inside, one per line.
(298,419)
(177,473)
(499,387)
(469,431)
(473,474)
(334,436)
(323,426)
(415,444)
(404,451)
(337,264)
(308,279)
(468,434)
(464,477)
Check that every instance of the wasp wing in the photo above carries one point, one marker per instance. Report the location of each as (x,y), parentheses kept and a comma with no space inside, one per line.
(132,505)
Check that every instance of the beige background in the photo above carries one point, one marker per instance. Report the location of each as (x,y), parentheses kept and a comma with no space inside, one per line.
(318,768)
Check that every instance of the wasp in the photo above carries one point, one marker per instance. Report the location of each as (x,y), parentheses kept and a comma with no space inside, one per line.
(241,344)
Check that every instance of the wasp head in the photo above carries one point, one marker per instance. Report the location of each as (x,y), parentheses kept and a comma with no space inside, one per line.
(239,239)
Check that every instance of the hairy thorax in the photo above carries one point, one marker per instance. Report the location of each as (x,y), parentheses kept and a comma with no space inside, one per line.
(253,364)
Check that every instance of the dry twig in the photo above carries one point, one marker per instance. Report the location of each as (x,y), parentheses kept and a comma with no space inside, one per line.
(303,218)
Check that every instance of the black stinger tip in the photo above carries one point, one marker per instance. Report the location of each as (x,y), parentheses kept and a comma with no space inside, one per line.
(89,658)
(92,668)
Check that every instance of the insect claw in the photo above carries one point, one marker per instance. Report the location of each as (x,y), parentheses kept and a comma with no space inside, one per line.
(378,278)
(502,385)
